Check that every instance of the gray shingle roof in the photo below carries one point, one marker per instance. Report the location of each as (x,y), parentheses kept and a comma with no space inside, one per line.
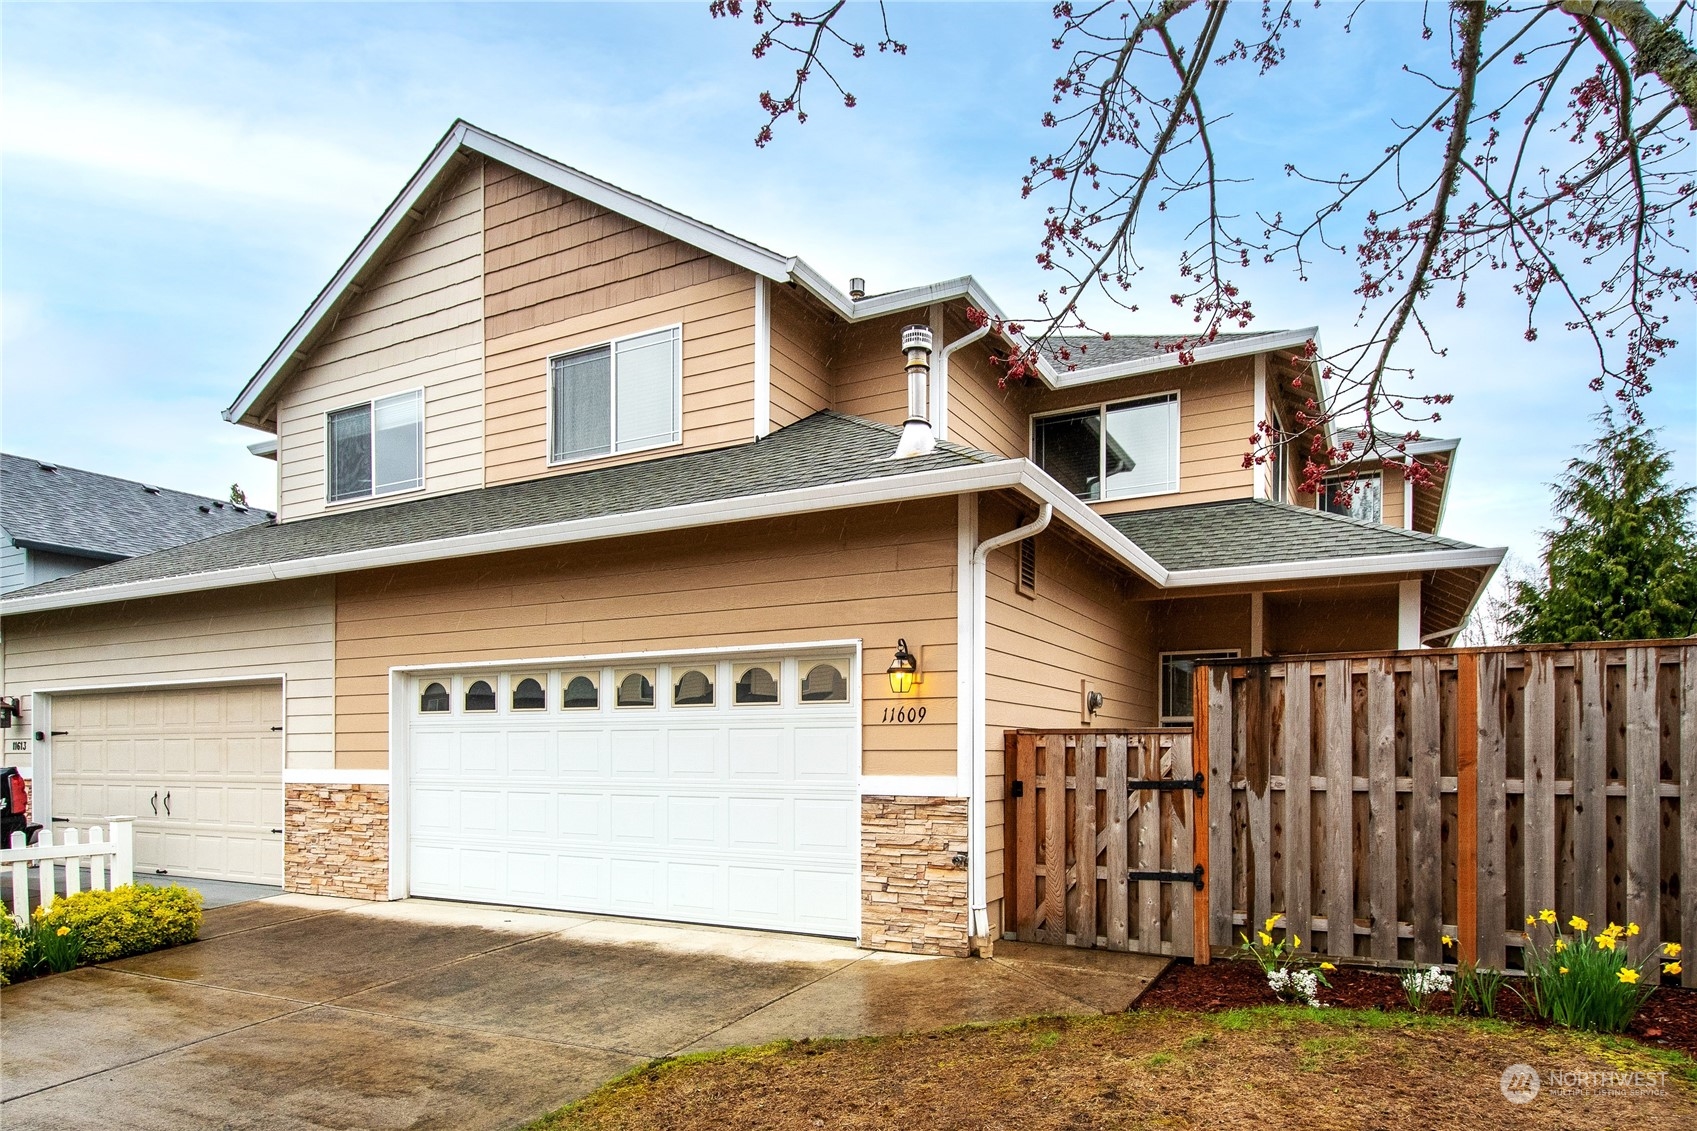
(826,448)
(1122,348)
(78,511)
(1246,532)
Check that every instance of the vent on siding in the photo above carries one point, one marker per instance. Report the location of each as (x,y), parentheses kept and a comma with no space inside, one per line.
(1028,567)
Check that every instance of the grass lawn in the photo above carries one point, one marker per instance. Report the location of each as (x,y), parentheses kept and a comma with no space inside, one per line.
(1271,1066)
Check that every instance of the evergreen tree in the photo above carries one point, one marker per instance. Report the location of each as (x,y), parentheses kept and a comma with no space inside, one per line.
(1621,563)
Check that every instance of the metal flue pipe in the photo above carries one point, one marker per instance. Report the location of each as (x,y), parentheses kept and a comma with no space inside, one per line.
(917,438)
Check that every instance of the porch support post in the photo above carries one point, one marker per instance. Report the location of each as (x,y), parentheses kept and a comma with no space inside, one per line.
(1408,614)
(1257,623)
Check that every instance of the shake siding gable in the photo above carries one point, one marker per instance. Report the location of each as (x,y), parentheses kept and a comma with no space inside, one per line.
(874,573)
(285,628)
(563,274)
(418,323)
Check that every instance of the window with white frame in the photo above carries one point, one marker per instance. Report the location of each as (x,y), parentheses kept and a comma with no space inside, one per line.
(1362,496)
(375,448)
(619,397)
(1112,451)
(1177,671)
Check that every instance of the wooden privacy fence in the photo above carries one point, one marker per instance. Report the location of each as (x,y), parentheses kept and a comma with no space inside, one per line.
(1375,803)
(1101,851)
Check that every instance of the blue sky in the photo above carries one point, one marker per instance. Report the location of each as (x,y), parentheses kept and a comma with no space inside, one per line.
(178,181)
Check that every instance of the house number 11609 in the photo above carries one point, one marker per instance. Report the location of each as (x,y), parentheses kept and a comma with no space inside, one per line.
(904,714)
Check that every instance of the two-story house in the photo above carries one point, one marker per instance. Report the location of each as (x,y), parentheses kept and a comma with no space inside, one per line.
(598,583)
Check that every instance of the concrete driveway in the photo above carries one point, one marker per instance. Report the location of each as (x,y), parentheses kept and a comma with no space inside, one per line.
(304,1012)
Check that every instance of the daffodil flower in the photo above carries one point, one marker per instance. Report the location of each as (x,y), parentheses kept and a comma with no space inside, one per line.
(1266,939)
(1577,924)
(1606,942)
(1329,966)
(1531,919)
(1671,949)
(63,931)
(1628,975)
(1564,969)
(1268,925)
(1296,940)
(1672,968)
(1549,916)
(1561,945)
(1631,929)
(1446,940)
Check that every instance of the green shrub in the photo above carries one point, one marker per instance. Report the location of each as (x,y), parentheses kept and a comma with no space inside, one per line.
(11,950)
(132,919)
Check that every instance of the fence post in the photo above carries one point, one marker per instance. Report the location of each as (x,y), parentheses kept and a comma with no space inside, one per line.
(122,833)
(1202,760)
(20,880)
(1467,807)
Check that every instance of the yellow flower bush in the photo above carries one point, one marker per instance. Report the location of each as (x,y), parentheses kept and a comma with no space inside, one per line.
(132,919)
(1586,981)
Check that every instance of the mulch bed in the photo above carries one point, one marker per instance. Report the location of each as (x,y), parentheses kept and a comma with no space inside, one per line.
(1668,1019)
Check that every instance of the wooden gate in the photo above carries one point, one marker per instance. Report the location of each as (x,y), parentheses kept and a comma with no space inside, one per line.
(1101,849)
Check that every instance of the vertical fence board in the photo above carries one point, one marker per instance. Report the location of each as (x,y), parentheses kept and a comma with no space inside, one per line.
(1055,841)
(1181,820)
(1590,781)
(1149,846)
(1025,819)
(1688,814)
(1467,807)
(1084,842)
(1643,779)
(1219,797)
(1340,806)
(1425,803)
(1492,791)
(1538,814)
(1296,736)
(1381,809)
(1122,750)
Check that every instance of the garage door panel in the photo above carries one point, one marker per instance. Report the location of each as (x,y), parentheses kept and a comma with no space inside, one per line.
(199,769)
(714,813)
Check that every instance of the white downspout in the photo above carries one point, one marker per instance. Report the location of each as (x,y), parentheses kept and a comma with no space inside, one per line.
(976,884)
(940,399)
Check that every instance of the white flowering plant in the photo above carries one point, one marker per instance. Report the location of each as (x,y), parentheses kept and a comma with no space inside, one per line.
(1289,975)
(1418,985)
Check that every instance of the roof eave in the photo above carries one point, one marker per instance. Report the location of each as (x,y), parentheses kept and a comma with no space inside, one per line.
(1360,566)
(1016,474)
(1219,351)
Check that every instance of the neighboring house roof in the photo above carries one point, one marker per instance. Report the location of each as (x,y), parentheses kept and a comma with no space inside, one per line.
(825,462)
(51,507)
(464,139)
(1250,532)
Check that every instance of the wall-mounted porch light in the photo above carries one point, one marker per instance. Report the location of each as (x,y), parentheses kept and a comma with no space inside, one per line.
(903,670)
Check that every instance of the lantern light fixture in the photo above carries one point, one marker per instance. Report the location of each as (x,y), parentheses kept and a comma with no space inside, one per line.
(903,670)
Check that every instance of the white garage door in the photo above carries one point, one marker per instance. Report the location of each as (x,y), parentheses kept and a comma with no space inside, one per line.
(709,791)
(200,769)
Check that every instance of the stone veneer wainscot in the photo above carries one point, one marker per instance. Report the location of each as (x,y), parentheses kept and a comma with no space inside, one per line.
(336,840)
(913,896)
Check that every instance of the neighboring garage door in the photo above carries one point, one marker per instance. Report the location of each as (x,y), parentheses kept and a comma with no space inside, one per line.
(708,791)
(200,769)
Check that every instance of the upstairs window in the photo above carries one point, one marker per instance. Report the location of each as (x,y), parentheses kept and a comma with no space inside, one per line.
(1362,498)
(620,397)
(376,448)
(1113,451)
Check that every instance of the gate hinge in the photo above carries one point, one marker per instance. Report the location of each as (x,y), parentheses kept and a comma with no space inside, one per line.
(1166,784)
(1193,876)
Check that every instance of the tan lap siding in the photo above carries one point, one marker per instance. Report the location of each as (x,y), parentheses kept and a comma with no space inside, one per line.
(285,628)
(802,341)
(868,368)
(564,274)
(417,324)
(982,414)
(877,574)
(1077,627)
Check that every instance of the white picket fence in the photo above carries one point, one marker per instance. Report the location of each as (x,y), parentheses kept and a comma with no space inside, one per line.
(108,853)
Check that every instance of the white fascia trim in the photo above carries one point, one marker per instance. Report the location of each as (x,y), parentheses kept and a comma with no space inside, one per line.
(902,785)
(1415,562)
(1017,474)
(462,138)
(306,776)
(1220,351)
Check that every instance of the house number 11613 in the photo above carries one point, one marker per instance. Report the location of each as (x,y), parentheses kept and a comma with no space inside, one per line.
(904,714)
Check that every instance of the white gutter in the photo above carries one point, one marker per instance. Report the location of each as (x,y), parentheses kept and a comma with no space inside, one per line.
(1013,474)
(977,886)
(1412,562)
(940,402)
